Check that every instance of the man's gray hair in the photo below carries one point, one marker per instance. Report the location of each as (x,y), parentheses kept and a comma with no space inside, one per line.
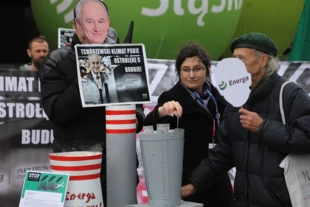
(273,63)
(95,55)
(81,3)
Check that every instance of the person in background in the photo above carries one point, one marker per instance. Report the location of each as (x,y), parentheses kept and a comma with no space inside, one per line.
(199,106)
(253,138)
(37,50)
(77,128)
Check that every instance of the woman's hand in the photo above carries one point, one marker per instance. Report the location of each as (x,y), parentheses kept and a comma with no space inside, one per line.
(170,108)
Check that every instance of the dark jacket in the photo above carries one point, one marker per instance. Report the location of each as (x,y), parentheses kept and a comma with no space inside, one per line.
(259,180)
(197,123)
(75,128)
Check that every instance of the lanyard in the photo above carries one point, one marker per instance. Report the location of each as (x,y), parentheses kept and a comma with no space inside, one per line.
(213,131)
(217,114)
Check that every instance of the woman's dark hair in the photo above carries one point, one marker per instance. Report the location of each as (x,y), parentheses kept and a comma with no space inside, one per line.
(193,49)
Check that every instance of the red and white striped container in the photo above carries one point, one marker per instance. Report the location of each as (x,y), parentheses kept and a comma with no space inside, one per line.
(84,187)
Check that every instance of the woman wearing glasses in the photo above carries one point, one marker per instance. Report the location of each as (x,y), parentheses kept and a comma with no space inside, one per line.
(199,106)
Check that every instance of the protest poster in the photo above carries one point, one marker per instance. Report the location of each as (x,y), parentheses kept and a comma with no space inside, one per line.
(65,37)
(44,189)
(26,134)
(112,74)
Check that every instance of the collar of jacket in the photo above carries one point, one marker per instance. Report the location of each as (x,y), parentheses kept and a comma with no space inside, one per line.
(188,99)
(75,41)
(263,88)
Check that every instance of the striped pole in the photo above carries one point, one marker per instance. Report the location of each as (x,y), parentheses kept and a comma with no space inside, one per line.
(84,187)
(121,155)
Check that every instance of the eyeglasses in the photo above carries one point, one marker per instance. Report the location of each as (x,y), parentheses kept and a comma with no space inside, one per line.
(195,70)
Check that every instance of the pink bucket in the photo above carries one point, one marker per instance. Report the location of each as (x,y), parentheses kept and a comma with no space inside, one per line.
(84,187)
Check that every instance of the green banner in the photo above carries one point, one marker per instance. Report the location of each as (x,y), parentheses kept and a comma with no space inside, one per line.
(301,45)
(163,25)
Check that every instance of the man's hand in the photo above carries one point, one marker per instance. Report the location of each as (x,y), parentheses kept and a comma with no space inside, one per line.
(250,120)
(187,190)
(170,108)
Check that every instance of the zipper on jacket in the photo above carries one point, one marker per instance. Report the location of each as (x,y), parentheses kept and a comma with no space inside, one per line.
(246,164)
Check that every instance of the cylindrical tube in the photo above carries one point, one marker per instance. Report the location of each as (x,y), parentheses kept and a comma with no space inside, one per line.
(121,155)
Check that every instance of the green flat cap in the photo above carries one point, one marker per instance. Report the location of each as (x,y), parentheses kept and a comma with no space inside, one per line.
(257,41)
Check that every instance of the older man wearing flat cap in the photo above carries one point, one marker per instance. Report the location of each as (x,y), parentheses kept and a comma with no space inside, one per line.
(253,138)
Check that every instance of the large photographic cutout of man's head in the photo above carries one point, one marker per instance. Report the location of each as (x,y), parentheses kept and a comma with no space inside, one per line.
(91,21)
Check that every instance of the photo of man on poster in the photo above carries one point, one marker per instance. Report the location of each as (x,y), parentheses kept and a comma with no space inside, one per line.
(96,83)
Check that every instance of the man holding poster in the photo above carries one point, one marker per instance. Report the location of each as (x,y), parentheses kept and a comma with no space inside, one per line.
(253,138)
(77,128)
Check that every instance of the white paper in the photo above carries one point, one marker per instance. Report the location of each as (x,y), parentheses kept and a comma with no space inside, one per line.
(233,81)
(41,199)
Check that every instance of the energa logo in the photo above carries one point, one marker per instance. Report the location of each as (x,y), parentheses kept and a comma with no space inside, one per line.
(222,85)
